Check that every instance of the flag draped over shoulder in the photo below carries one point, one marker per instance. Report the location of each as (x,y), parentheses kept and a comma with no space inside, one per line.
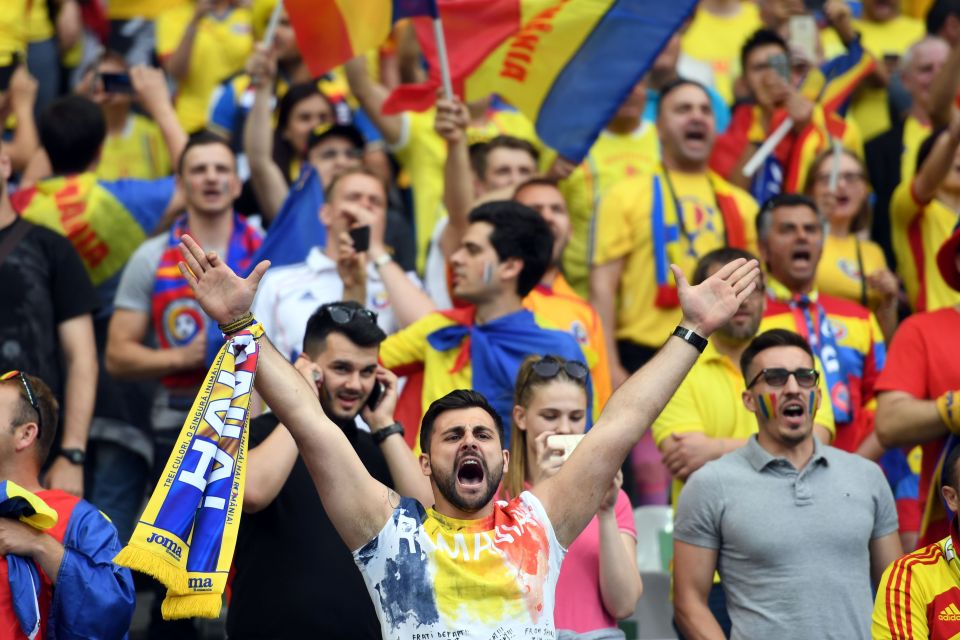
(566,64)
(330,32)
(188,532)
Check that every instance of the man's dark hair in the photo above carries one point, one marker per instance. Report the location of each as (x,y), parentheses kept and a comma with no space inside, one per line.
(480,151)
(362,330)
(518,232)
(938,13)
(458,399)
(765,215)
(769,340)
(951,475)
(760,38)
(200,139)
(72,131)
(24,412)
(720,256)
(678,83)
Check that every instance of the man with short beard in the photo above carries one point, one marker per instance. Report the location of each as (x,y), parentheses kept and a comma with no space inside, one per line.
(340,349)
(469,567)
(762,517)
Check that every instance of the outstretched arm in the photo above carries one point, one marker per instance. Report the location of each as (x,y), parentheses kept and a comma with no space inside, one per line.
(357,504)
(572,496)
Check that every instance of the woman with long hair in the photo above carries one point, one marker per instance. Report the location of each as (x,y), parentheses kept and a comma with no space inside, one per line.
(851,266)
(599,581)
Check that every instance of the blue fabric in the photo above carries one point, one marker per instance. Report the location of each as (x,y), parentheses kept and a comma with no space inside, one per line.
(825,346)
(93,598)
(499,347)
(768,180)
(410,8)
(146,200)
(23,576)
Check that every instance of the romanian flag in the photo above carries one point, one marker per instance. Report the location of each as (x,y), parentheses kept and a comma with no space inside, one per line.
(330,32)
(565,64)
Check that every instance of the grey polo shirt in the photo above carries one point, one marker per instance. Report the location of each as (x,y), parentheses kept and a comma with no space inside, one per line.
(793,547)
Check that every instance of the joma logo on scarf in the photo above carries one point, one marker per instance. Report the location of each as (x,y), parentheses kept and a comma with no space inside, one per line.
(167,543)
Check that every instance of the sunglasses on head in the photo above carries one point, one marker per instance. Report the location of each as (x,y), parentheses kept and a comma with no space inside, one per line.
(31,396)
(778,376)
(549,367)
(343,314)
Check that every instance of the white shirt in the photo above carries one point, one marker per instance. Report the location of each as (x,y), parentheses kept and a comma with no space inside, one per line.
(289,295)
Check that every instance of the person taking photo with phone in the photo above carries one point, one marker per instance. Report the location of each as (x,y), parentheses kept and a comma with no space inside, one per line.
(599,581)
(282,510)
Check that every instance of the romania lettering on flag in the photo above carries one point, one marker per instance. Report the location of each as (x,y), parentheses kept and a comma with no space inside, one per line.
(565,64)
(330,32)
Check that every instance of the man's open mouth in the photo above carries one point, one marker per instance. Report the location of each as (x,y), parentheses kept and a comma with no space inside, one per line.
(470,472)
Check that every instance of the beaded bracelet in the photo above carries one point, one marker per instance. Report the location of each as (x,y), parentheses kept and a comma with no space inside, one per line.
(239,324)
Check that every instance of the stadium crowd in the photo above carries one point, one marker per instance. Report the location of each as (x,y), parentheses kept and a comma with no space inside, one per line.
(747,295)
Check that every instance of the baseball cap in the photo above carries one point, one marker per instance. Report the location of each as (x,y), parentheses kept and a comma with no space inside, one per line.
(323,131)
(947,259)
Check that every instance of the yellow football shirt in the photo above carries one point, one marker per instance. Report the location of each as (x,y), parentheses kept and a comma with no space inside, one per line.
(422,154)
(917,230)
(914,133)
(716,41)
(840,272)
(891,38)
(39,27)
(13,30)
(138,152)
(612,158)
(220,49)
(126,9)
(626,229)
(709,401)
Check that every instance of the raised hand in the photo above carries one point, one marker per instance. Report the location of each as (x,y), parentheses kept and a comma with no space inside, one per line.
(221,293)
(710,304)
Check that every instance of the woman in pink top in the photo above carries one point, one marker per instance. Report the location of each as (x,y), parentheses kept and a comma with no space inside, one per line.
(599,581)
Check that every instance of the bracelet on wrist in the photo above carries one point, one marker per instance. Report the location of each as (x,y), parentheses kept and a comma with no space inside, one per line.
(238,324)
(691,337)
(386,432)
(948,406)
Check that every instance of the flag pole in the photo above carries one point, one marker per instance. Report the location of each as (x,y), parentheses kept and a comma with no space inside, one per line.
(767,148)
(442,56)
(272,25)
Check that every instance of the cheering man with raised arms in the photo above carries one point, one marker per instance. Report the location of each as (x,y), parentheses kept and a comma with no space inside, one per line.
(418,563)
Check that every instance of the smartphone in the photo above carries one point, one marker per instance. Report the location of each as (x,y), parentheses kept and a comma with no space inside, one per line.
(803,36)
(565,442)
(116,83)
(780,65)
(361,238)
(374,398)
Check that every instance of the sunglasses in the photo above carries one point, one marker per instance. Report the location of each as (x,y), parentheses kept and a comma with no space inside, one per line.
(343,314)
(777,377)
(549,367)
(31,396)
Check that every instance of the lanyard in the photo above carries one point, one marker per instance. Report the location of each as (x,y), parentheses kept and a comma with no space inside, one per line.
(863,275)
(679,208)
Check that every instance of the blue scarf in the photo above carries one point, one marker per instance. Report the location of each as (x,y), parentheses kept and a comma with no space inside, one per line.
(498,348)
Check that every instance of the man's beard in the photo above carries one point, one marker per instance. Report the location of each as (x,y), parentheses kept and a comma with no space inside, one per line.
(328,402)
(447,484)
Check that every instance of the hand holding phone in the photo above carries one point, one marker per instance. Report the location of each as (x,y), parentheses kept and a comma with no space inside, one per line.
(361,238)
(116,83)
(564,442)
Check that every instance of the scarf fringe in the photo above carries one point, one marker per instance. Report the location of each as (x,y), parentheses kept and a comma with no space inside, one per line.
(194,605)
(149,563)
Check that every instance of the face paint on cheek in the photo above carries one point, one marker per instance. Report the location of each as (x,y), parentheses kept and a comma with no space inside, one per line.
(487,273)
(767,403)
(225,187)
(813,402)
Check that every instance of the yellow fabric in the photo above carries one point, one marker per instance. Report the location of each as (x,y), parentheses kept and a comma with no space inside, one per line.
(422,154)
(13,29)
(138,152)
(932,224)
(211,448)
(612,158)
(838,273)
(220,49)
(914,134)
(717,40)
(709,401)
(916,8)
(39,27)
(623,230)
(869,108)
(151,9)
(45,517)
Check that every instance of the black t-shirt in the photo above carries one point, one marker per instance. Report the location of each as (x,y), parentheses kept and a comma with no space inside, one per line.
(294,577)
(42,283)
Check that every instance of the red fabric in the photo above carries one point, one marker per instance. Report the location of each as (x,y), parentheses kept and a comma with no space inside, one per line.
(729,146)
(467,47)
(63,503)
(922,361)
(321,34)
(409,409)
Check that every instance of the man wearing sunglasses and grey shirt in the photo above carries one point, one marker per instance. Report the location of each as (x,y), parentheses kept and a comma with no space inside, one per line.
(800,532)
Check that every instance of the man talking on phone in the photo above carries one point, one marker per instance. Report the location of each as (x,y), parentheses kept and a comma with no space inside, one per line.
(285,530)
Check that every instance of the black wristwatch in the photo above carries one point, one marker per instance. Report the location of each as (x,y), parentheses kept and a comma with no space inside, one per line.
(698,341)
(386,432)
(75,456)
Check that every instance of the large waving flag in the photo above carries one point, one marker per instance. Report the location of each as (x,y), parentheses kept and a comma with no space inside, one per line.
(566,64)
(330,32)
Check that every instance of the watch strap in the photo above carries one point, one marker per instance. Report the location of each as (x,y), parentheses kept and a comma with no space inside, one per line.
(382,260)
(386,432)
(75,456)
(691,337)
